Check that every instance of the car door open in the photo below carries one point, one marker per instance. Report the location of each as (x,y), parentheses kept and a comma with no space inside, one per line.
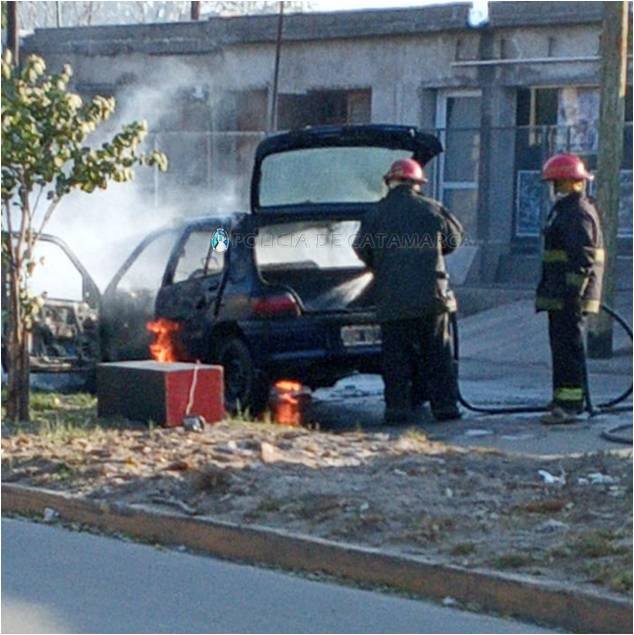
(64,337)
(129,300)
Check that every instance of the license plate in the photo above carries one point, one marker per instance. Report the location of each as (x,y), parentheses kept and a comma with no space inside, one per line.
(362,335)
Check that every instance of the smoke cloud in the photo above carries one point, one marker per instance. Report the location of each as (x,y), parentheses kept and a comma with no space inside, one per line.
(177,101)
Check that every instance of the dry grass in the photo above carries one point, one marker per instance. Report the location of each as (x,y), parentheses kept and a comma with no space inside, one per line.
(463,549)
(600,543)
(615,576)
(212,479)
(516,560)
(548,506)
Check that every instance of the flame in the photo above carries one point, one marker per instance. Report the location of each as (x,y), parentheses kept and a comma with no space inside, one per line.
(288,399)
(163,349)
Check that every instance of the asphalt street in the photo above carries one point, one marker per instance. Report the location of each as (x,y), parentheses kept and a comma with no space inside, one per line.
(59,581)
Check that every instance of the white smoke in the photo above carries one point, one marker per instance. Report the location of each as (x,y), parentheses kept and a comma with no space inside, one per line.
(103,227)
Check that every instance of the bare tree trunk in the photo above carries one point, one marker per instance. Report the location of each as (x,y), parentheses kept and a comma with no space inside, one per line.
(18,370)
(18,356)
(13,31)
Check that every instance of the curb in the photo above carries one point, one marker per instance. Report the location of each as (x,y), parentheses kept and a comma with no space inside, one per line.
(522,597)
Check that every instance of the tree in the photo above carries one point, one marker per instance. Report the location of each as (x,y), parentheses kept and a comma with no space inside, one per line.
(44,157)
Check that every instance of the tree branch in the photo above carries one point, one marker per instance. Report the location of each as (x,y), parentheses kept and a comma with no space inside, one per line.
(47,216)
(37,199)
(7,206)
(25,221)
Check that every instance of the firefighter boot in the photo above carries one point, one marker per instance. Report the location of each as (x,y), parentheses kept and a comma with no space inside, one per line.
(559,415)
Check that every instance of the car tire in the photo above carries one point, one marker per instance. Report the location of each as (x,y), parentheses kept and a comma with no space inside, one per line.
(246,389)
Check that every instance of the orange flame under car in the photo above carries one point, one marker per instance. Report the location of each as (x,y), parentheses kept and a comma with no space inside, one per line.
(163,349)
(288,401)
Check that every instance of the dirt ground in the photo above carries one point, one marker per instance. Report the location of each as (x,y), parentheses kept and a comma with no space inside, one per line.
(566,519)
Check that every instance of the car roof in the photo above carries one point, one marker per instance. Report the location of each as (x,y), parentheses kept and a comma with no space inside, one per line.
(221,219)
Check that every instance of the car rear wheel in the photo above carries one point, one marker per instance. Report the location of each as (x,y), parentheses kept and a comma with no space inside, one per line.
(245,388)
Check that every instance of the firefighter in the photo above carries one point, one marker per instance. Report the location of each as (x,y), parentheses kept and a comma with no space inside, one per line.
(403,241)
(570,286)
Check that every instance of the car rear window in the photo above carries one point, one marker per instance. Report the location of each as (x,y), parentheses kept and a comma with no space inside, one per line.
(326,175)
(308,245)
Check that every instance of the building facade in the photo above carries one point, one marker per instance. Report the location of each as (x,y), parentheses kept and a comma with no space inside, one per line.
(502,97)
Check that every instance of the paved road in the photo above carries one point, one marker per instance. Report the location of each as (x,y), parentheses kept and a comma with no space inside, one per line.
(55,580)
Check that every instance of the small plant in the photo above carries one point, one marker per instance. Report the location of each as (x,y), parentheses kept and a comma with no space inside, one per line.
(617,577)
(463,549)
(212,480)
(269,504)
(600,543)
(63,471)
(547,506)
(514,561)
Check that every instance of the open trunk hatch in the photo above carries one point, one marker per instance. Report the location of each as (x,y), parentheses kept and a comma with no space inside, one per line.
(321,168)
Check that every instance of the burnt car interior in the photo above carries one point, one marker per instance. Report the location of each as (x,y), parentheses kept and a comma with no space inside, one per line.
(129,299)
(65,334)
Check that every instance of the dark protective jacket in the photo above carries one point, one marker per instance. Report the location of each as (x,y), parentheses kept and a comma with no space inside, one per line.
(572,265)
(403,241)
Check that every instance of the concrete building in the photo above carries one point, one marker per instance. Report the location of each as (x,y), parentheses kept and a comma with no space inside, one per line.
(502,97)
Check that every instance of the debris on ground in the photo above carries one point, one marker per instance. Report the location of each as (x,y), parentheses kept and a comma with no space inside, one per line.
(49,515)
(566,519)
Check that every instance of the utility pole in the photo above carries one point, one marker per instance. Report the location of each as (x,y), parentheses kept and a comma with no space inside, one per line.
(276,69)
(58,13)
(12,31)
(194,10)
(613,51)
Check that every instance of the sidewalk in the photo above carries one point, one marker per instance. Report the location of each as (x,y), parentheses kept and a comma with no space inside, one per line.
(505,361)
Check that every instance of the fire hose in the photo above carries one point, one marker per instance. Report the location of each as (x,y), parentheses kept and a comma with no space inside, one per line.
(606,407)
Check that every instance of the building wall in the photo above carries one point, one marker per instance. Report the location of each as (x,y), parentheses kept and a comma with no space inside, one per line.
(407,74)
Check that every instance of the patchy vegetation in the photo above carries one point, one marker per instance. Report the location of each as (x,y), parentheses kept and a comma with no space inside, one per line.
(397,491)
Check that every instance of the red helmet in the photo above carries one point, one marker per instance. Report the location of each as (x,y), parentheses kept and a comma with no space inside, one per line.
(406,170)
(565,166)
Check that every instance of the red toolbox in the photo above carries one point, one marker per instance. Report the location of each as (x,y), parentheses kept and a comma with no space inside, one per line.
(160,391)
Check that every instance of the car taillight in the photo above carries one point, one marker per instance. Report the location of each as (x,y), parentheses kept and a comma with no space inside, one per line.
(275,306)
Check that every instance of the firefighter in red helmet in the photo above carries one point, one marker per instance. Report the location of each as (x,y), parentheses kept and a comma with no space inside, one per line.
(570,285)
(403,240)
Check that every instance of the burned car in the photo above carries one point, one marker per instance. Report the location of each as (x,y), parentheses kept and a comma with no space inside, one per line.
(275,293)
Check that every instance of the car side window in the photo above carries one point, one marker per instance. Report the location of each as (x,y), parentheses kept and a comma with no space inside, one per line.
(146,272)
(197,258)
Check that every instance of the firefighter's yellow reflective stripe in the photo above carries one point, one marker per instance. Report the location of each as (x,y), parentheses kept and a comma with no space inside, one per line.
(590,306)
(555,255)
(548,304)
(576,280)
(569,394)
(598,255)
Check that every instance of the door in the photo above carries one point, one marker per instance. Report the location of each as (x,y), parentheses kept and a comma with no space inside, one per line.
(458,118)
(64,337)
(191,287)
(129,300)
